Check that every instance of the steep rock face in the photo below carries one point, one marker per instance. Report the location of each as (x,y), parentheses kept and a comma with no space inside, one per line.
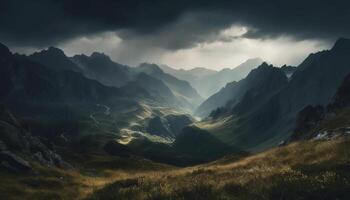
(99,66)
(307,119)
(265,82)
(319,77)
(314,118)
(342,98)
(260,82)
(313,83)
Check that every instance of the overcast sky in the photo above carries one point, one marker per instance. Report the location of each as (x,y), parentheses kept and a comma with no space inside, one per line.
(181,33)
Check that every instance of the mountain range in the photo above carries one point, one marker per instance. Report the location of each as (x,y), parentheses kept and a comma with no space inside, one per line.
(84,118)
(149,106)
(267,113)
(91,100)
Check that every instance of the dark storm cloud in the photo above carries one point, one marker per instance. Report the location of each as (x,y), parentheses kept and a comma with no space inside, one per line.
(48,22)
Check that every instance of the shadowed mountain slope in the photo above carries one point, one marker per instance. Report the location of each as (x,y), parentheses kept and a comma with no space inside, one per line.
(313,83)
(264,79)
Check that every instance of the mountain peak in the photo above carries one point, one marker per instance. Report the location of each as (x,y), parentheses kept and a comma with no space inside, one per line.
(342,44)
(249,64)
(55,59)
(264,65)
(255,60)
(98,55)
(54,51)
(265,70)
(150,68)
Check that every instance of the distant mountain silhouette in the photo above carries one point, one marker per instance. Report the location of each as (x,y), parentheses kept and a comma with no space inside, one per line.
(188,75)
(193,76)
(207,82)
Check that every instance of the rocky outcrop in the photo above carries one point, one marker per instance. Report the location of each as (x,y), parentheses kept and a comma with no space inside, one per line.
(307,120)
(18,146)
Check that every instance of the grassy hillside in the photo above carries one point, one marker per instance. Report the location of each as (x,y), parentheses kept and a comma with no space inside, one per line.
(303,170)
(92,172)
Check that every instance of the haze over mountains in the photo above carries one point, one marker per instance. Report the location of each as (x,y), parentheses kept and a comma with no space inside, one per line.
(207,82)
(150,106)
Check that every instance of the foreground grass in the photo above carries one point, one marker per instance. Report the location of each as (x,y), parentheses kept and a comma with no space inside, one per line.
(91,173)
(304,170)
